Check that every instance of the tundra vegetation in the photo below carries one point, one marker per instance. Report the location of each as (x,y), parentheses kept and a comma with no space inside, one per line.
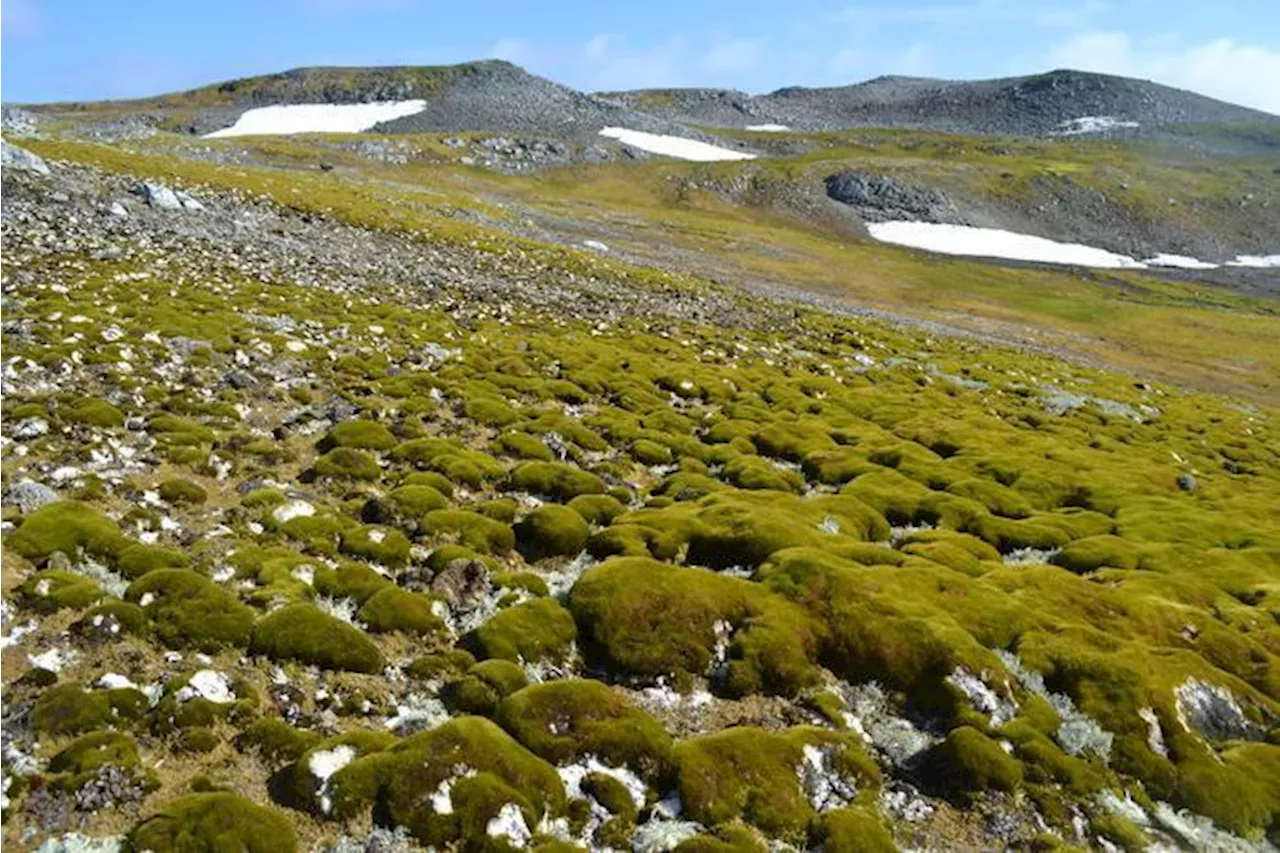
(331,557)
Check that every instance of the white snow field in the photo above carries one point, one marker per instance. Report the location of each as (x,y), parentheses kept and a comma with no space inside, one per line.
(1180,261)
(768,128)
(1093,124)
(995,243)
(674,146)
(285,119)
(1264,261)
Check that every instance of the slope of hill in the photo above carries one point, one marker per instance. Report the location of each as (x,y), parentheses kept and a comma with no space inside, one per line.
(435,490)
(1056,102)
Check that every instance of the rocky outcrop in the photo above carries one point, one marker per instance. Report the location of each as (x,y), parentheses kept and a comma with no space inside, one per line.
(881,198)
(13,157)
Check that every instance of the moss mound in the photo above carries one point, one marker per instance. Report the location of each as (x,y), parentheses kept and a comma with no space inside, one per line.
(186,609)
(303,633)
(506,772)
(969,762)
(746,774)
(362,435)
(531,631)
(562,721)
(214,823)
(182,492)
(555,480)
(471,529)
(68,527)
(551,531)
(647,618)
(396,609)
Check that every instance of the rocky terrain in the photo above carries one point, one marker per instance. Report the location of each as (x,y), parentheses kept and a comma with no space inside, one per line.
(1044,104)
(498,490)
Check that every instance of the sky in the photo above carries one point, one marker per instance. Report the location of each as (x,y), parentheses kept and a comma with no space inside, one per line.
(92,49)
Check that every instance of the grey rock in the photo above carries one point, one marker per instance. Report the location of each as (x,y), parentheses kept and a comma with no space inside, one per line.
(159,196)
(18,121)
(1214,712)
(1187,482)
(29,428)
(880,198)
(118,210)
(29,496)
(13,157)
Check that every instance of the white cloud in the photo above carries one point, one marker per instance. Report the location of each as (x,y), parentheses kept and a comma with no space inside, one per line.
(1222,68)
(20,18)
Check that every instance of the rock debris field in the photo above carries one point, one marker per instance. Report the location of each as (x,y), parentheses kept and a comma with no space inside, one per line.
(318,537)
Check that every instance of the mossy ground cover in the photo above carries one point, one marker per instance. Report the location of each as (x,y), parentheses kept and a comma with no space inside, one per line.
(844,499)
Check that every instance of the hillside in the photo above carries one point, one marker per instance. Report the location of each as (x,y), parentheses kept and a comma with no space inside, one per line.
(474,482)
(1034,105)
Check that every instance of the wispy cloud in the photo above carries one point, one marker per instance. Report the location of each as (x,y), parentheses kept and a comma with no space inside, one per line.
(21,19)
(1241,73)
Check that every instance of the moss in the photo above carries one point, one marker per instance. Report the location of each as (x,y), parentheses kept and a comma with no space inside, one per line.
(470,529)
(856,829)
(440,665)
(599,510)
(379,545)
(650,452)
(215,822)
(345,463)
(138,560)
(53,590)
(748,774)
(490,411)
(434,479)
(968,762)
(183,492)
(95,413)
(551,531)
(129,618)
(415,501)
(612,794)
(264,498)
(189,610)
(641,617)
(528,581)
(1095,552)
(1121,832)
(70,709)
(569,719)
(95,750)
(349,580)
(419,764)
(396,609)
(276,741)
(532,631)
(67,527)
(525,446)
(351,789)
(197,741)
(360,434)
(555,480)
(499,509)
(301,632)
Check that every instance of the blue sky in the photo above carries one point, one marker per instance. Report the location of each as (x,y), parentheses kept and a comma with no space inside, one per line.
(89,49)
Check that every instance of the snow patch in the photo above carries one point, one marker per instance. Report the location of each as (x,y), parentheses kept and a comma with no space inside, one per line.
(290,510)
(674,146)
(442,797)
(284,119)
(995,243)
(1179,261)
(509,823)
(768,128)
(208,684)
(324,764)
(1262,261)
(1093,124)
(573,774)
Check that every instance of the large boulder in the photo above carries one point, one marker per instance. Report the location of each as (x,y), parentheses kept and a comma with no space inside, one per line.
(13,157)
